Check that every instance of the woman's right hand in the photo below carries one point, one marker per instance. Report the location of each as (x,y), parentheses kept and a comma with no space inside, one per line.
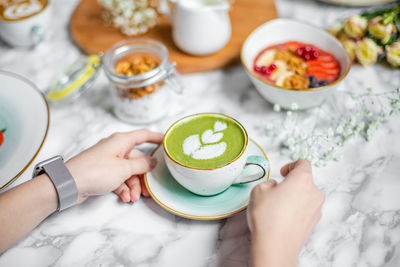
(282,216)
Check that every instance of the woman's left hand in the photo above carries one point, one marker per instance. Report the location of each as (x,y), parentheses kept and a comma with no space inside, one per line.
(114,165)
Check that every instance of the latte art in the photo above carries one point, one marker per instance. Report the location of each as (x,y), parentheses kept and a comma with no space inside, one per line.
(204,148)
(205,141)
(15,10)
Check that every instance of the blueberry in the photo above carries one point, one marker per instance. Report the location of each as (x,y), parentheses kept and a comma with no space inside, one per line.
(313,81)
(323,83)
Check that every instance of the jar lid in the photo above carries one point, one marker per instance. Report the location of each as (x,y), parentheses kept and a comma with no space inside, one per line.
(75,80)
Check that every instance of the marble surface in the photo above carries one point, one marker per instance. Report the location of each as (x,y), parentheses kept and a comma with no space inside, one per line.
(360,225)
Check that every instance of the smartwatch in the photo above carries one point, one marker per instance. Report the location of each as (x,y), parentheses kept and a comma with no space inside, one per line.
(62,180)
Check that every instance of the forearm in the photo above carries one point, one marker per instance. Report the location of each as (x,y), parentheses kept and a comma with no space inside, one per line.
(24,207)
(269,252)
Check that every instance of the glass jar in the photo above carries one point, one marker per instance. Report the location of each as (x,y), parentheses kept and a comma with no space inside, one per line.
(146,97)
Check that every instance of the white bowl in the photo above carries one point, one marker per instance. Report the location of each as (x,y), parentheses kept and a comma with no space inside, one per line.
(283,30)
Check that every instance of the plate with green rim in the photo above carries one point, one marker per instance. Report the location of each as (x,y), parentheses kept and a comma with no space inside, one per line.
(170,195)
(24,122)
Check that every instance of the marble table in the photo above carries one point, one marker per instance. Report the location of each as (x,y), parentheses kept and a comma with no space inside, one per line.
(360,225)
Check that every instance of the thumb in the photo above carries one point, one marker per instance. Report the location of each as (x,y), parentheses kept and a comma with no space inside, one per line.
(139,165)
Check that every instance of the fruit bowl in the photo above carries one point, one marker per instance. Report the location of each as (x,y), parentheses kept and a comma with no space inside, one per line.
(285,30)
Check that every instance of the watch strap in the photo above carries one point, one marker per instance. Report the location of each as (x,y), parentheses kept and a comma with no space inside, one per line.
(63,182)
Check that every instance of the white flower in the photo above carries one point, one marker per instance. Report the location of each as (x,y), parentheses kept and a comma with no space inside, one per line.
(336,28)
(294,106)
(380,30)
(393,54)
(132,17)
(355,26)
(367,52)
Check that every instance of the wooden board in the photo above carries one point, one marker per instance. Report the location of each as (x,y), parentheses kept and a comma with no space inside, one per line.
(91,35)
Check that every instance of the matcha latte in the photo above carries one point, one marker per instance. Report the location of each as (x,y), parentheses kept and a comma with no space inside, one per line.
(205,141)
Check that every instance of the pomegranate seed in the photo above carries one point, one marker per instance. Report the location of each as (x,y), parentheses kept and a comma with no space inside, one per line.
(315,55)
(307,57)
(263,70)
(257,68)
(300,51)
(308,48)
(272,67)
(268,71)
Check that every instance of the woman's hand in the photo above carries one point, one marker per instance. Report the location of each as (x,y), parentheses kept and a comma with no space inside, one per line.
(281,216)
(114,165)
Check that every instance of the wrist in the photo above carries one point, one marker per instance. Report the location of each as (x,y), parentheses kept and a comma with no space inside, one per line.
(48,192)
(73,168)
(272,249)
(62,180)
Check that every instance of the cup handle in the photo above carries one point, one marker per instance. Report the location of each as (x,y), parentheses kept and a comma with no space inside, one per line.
(248,174)
(37,34)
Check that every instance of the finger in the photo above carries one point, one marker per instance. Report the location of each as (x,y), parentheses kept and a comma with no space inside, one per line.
(265,186)
(134,153)
(271,183)
(134,187)
(287,168)
(145,192)
(128,140)
(139,165)
(123,192)
(300,164)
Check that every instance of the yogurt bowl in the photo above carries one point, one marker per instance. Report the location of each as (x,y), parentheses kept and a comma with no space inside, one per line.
(285,30)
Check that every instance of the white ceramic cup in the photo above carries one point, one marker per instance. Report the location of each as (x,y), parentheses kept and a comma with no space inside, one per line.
(28,31)
(210,181)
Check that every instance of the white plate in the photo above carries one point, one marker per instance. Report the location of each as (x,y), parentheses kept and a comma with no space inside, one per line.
(24,113)
(170,195)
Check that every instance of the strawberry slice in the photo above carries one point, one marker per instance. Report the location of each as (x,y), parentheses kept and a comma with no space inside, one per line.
(325,65)
(326,58)
(312,70)
(324,76)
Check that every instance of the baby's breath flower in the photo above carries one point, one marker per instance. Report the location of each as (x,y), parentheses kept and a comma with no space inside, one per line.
(277,108)
(132,17)
(321,142)
(294,106)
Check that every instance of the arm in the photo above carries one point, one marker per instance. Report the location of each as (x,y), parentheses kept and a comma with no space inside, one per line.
(111,165)
(24,207)
(281,217)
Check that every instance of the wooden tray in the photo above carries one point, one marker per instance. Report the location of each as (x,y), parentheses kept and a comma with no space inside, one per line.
(92,36)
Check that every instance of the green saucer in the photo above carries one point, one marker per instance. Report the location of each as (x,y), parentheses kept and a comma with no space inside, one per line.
(169,194)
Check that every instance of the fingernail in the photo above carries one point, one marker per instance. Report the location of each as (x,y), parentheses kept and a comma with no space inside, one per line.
(126,196)
(152,161)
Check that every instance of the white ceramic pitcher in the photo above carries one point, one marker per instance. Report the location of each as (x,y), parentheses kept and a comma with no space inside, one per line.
(200,27)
